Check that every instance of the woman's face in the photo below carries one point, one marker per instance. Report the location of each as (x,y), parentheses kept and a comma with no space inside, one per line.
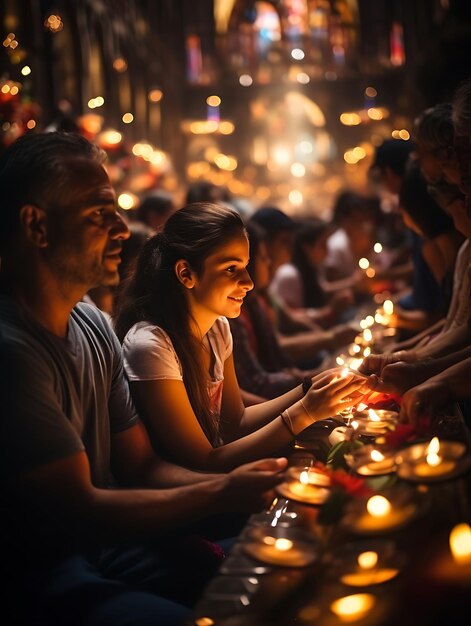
(317,251)
(262,267)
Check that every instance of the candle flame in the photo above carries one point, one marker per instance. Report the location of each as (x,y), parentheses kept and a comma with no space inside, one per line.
(354,607)
(339,360)
(367,335)
(460,543)
(364,263)
(374,417)
(377,456)
(356,348)
(434,446)
(367,351)
(388,307)
(378,506)
(379,318)
(304,477)
(367,560)
(345,372)
(361,406)
(433,459)
(283,544)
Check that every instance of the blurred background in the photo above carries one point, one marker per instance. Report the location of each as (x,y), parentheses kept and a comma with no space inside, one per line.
(279,102)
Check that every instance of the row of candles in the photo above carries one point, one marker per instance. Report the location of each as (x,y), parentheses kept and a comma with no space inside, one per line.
(422,462)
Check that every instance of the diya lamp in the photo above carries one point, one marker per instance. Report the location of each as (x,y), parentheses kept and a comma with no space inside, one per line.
(371,460)
(376,422)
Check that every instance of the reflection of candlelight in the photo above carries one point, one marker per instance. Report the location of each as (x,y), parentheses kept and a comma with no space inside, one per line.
(367,560)
(378,506)
(354,607)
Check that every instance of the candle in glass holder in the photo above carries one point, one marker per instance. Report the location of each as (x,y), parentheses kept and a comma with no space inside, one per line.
(289,549)
(377,422)
(434,461)
(380,515)
(309,486)
(353,608)
(369,461)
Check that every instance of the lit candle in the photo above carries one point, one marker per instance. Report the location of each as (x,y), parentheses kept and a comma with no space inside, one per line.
(434,465)
(369,461)
(308,486)
(284,551)
(374,423)
(368,571)
(380,515)
(454,567)
(354,607)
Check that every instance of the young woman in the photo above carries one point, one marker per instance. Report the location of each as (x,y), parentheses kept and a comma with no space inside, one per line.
(298,285)
(178,348)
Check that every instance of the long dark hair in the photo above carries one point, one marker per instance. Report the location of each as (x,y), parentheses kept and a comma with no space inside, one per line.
(154,293)
(309,231)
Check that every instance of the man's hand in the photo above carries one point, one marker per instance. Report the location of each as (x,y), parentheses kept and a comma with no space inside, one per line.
(250,486)
(375,363)
(424,400)
(398,377)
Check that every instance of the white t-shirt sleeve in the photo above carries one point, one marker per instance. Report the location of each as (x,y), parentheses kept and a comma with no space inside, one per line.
(149,354)
(287,287)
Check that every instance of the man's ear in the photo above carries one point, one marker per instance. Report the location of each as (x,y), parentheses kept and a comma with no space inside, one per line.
(184,273)
(34,225)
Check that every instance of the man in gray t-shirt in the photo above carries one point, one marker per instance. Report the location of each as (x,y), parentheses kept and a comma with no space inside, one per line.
(79,477)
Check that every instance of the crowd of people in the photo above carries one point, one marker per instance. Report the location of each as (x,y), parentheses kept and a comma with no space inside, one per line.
(155,373)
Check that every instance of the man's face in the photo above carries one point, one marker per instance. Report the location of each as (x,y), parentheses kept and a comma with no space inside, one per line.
(85,232)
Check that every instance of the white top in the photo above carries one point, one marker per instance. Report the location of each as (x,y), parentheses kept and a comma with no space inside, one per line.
(459,311)
(339,256)
(149,355)
(286,286)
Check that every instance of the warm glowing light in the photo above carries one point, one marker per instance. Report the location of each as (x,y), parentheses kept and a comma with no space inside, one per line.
(375,114)
(434,446)
(404,134)
(281,155)
(31,124)
(283,545)
(156,95)
(339,360)
(350,119)
(354,424)
(126,201)
(295,197)
(388,307)
(345,372)
(364,263)
(226,128)
(26,70)
(356,348)
(94,103)
(350,158)
(204,621)
(303,78)
(370,320)
(120,65)
(370,272)
(245,80)
(378,506)
(297,54)
(367,351)
(213,101)
(363,324)
(128,118)
(54,23)
(354,607)
(225,162)
(374,417)
(359,152)
(460,544)
(14,90)
(111,137)
(298,170)
(378,247)
(367,334)
(305,146)
(368,560)
(379,319)
(362,406)
(371,92)
(377,456)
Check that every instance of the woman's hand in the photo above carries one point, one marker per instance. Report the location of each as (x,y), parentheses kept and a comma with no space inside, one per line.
(331,392)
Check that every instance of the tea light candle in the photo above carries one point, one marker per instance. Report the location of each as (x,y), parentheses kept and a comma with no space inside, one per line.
(380,515)
(367,571)
(308,486)
(353,608)
(434,465)
(369,461)
(454,567)
(373,422)
(282,550)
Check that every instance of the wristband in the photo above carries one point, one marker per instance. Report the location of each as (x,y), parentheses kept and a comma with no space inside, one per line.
(307,384)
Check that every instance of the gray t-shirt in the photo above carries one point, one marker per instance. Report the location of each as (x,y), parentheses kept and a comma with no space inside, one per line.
(60,396)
